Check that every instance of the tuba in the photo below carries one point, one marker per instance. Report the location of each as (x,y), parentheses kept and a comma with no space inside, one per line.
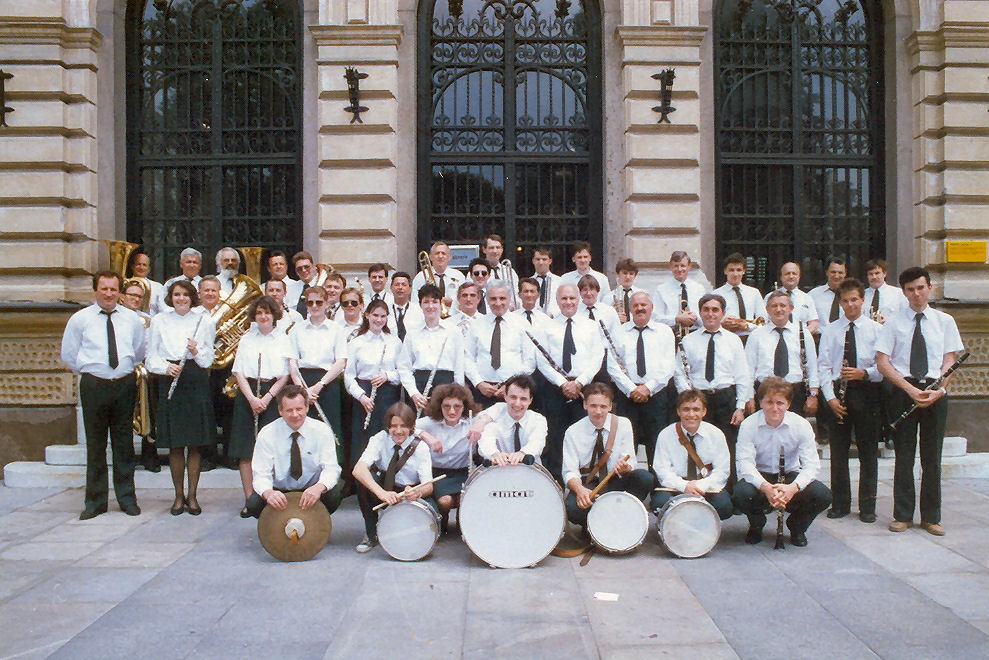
(230,316)
(429,275)
(120,254)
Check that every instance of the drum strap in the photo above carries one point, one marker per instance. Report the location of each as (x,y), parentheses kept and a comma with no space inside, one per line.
(702,468)
(605,455)
(406,455)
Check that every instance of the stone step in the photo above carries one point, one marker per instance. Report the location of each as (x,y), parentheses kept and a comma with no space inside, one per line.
(953,446)
(35,474)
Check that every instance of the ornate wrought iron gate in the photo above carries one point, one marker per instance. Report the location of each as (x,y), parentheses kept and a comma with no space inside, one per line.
(509,124)
(800,137)
(213,127)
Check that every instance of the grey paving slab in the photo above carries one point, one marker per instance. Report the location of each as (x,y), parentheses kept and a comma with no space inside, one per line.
(687,652)
(235,648)
(86,585)
(26,525)
(36,630)
(16,498)
(41,551)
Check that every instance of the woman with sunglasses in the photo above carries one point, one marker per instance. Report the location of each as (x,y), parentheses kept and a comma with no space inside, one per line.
(372,366)
(352,304)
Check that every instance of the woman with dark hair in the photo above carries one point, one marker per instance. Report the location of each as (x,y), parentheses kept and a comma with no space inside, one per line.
(372,368)
(139,267)
(261,369)
(180,351)
(352,304)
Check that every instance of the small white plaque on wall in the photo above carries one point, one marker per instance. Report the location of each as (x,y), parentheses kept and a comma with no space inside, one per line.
(662,12)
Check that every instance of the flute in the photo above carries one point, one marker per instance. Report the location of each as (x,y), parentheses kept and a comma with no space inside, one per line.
(803,358)
(432,374)
(933,386)
(175,379)
(780,511)
(374,388)
(257,394)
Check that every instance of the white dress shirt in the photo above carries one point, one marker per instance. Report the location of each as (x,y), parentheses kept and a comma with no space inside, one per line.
(579,440)
(367,356)
(318,346)
(274,349)
(384,295)
(602,312)
(755,307)
(832,351)
(761,353)
(289,321)
(553,281)
(293,289)
(891,300)
(940,335)
(616,298)
(517,351)
(539,317)
(273,457)
(452,279)
(84,343)
(156,299)
(585,363)
(380,449)
(573,277)
(226,283)
(804,308)
(658,343)
(412,316)
(170,334)
(499,434)
(670,461)
(666,300)
(424,348)
(758,449)
(456,447)
(731,367)
(822,297)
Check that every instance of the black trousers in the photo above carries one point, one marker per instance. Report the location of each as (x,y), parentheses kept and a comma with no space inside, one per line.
(223,406)
(637,482)
(802,507)
(721,501)
(387,395)
(864,419)
(482,400)
(930,422)
(442,377)
(720,408)
(560,413)
(108,407)
(331,500)
(648,418)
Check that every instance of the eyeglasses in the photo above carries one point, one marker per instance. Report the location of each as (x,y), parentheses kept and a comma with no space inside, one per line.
(315,303)
(350,303)
(479,273)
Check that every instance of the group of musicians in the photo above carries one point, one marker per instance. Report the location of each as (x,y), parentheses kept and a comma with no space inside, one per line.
(351,390)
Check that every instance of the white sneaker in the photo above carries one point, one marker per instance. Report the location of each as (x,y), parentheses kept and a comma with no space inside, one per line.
(366,545)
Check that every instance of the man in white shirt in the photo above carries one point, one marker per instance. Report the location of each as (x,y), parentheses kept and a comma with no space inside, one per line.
(914,349)
(825,297)
(626,270)
(278,270)
(466,314)
(275,289)
(593,447)
(529,309)
(850,386)
(511,433)
(582,266)
(765,440)
(882,300)
(675,299)
(692,457)
(742,302)
(403,312)
(308,274)
(542,260)
(377,289)
(803,306)
(295,453)
(447,279)
(597,312)
(190,262)
(103,343)
(227,267)
(496,348)
(493,249)
(479,273)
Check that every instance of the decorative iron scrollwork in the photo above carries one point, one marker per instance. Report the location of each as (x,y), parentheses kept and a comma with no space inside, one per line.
(354,78)
(665,109)
(4,108)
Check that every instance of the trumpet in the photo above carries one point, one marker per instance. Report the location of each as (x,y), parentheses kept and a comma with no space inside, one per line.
(681,330)
(877,316)
(619,305)
(429,275)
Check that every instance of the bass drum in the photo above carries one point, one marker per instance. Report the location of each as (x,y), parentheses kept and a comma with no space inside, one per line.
(512,516)
(618,522)
(407,531)
(688,526)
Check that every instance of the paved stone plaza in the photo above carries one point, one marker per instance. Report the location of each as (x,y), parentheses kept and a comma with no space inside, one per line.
(158,586)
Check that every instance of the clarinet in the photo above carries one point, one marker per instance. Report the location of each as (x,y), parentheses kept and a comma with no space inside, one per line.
(933,386)
(618,358)
(780,511)
(432,374)
(257,394)
(374,388)
(686,367)
(842,389)
(803,358)
(539,347)
(185,357)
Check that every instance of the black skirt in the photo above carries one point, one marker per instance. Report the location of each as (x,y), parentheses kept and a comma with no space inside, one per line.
(242,422)
(386,396)
(187,420)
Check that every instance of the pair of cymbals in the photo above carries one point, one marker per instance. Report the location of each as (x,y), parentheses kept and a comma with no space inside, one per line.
(294,534)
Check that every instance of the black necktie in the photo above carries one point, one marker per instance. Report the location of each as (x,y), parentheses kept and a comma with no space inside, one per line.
(598,453)
(741,302)
(918,351)
(683,294)
(628,292)
(300,307)
(389,482)
(709,364)
(833,314)
(691,466)
(590,313)
(517,436)
(400,323)
(111,340)
(375,297)
(295,462)
(781,363)
(481,307)
(528,316)
(569,349)
(542,291)
(640,353)
(442,285)
(851,351)
(496,344)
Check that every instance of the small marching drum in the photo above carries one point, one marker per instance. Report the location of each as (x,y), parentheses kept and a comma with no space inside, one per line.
(512,516)
(688,526)
(407,531)
(618,522)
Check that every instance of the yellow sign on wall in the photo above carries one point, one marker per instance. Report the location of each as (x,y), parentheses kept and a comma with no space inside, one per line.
(966,252)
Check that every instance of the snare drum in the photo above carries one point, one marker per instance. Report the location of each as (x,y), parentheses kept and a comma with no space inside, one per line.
(512,516)
(688,526)
(618,522)
(407,531)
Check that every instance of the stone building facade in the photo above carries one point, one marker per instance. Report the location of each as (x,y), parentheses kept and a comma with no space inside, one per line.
(63,161)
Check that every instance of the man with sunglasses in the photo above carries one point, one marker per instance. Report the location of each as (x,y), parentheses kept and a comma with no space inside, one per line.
(479,273)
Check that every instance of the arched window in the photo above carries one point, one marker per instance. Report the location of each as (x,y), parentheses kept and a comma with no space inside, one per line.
(214,126)
(510,124)
(800,134)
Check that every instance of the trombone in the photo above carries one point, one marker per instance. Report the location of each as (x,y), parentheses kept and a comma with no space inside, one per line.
(429,275)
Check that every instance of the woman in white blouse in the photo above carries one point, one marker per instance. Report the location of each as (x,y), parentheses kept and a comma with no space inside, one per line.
(430,349)
(185,421)
(352,304)
(261,369)
(372,365)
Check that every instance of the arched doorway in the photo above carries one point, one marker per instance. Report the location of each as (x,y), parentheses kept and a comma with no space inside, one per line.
(213,126)
(799,93)
(510,124)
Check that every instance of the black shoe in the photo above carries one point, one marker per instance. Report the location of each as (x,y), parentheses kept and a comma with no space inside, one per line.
(206,465)
(131,509)
(245,512)
(178,507)
(798,539)
(867,517)
(192,507)
(754,535)
(837,513)
(151,464)
(88,514)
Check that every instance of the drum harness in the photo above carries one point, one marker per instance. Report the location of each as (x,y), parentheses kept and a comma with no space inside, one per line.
(702,469)
(601,466)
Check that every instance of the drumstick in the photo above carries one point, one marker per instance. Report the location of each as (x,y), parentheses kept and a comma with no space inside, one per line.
(402,495)
(663,489)
(594,493)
